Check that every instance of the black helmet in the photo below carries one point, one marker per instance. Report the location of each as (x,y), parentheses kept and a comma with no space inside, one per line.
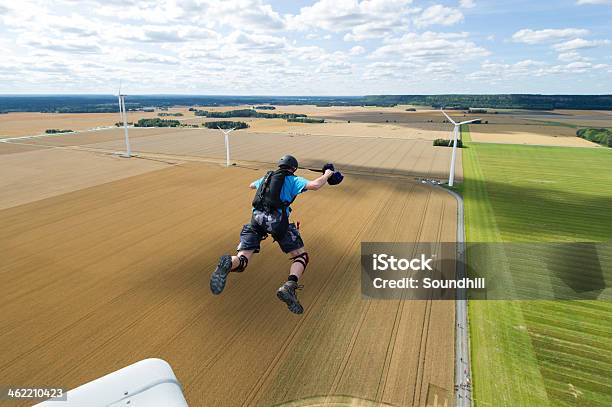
(288,161)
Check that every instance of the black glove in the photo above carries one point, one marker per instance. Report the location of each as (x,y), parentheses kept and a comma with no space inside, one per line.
(335,179)
(328,166)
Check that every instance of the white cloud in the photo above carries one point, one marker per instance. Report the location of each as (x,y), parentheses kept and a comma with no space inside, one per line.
(334,67)
(258,42)
(250,46)
(152,58)
(430,46)
(243,14)
(246,15)
(375,29)
(583,2)
(529,36)
(316,36)
(308,53)
(67,46)
(579,43)
(438,14)
(156,12)
(390,70)
(571,57)
(357,50)
(441,68)
(361,20)
(159,34)
(496,72)
(572,67)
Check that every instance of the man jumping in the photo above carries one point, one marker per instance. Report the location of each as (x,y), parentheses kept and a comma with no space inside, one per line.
(276,191)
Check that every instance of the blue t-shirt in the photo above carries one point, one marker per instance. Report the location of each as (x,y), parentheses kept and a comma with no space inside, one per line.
(292,187)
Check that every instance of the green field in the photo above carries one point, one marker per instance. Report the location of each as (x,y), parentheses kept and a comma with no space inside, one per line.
(539,353)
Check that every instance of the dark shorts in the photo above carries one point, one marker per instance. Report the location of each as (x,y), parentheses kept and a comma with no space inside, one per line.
(253,233)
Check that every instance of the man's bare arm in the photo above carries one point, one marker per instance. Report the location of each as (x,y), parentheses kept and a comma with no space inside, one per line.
(319,182)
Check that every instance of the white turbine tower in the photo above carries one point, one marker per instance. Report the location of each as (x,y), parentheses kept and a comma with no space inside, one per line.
(451,176)
(227,147)
(123,114)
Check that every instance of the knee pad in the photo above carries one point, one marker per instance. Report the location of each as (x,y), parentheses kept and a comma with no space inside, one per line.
(244,262)
(302,259)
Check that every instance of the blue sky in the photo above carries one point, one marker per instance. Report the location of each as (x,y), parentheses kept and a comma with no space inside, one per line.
(324,47)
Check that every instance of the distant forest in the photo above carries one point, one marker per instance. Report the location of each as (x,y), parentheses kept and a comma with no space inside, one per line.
(225,124)
(108,103)
(157,122)
(531,102)
(247,113)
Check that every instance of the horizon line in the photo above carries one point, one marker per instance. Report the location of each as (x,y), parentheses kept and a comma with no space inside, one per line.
(304,96)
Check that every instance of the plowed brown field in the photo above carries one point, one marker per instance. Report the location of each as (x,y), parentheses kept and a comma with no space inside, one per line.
(31,123)
(529,135)
(34,175)
(102,276)
(381,155)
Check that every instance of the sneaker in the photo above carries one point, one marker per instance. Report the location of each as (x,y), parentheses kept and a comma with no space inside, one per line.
(219,276)
(286,293)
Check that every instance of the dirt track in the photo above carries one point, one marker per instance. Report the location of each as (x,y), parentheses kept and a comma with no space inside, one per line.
(101,277)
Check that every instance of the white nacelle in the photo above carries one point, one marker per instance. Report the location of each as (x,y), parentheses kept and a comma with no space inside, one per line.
(150,382)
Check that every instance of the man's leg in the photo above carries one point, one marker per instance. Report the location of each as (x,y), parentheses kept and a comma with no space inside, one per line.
(241,260)
(226,265)
(299,259)
(293,245)
(250,240)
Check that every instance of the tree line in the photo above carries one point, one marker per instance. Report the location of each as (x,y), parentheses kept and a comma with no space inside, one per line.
(247,113)
(500,101)
(306,120)
(55,131)
(157,122)
(225,124)
(600,136)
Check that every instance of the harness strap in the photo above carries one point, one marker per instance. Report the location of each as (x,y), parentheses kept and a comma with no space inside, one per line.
(244,262)
(302,259)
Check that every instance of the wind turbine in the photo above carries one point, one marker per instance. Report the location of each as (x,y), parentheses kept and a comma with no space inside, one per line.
(123,114)
(227,148)
(451,176)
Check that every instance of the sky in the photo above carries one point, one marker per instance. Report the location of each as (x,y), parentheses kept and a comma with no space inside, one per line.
(316,47)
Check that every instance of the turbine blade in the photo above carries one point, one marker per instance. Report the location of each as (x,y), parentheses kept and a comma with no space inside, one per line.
(469,121)
(448,117)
